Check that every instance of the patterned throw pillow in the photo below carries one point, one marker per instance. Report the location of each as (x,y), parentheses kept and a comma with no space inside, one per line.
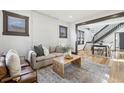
(39,50)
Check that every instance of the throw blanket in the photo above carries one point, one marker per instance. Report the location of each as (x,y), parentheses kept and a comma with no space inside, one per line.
(29,55)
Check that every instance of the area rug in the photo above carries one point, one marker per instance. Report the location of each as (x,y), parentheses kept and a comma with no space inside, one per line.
(88,73)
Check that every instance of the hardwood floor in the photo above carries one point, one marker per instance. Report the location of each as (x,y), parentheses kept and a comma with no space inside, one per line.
(116,71)
(94,58)
(115,62)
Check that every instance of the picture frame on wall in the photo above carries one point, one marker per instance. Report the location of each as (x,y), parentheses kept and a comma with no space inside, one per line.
(15,24)
(62,31)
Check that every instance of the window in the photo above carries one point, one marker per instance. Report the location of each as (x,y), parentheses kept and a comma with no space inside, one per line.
(80,37)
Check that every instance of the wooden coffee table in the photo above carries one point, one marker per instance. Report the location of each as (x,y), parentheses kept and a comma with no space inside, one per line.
(60,62)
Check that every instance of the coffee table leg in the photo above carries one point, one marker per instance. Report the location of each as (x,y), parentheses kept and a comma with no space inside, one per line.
(77,62)
(58,68)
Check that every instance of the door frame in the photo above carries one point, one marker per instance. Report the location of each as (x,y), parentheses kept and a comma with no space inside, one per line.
(113,16)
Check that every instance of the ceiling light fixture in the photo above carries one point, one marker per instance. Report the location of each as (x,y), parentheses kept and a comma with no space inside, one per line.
(70,16)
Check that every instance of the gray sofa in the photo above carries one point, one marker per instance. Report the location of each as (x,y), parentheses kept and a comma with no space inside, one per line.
(41,61)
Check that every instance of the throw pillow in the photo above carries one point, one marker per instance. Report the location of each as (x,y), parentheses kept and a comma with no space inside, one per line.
(39,50)
(46,51)
(59,49)
(13,64)
(12,50)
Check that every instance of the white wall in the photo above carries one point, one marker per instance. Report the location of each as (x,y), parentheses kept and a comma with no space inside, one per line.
(110,40)
(20,43)
(72,38)
(42,30)
(46,31)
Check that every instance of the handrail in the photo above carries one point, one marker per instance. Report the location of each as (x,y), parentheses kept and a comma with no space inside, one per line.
(107,33)
(110,31)
(101,30)
(115,28)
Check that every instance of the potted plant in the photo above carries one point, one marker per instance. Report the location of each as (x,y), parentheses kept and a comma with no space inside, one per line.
(67,51)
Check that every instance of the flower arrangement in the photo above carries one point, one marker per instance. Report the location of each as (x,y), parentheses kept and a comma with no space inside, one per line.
(66,49)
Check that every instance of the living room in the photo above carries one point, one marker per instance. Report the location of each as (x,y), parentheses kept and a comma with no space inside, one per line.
(61,46)
(61,33)
(45,31)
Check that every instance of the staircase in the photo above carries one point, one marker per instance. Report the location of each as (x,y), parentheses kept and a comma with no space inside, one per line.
(105,31)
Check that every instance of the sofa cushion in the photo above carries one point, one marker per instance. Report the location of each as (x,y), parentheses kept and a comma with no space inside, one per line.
(41,58)
(52,49)
(13,63)
(3,70)
(39,50)
(59,49)
(57,54)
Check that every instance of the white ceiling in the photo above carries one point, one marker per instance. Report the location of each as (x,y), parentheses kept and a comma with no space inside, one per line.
(77,15)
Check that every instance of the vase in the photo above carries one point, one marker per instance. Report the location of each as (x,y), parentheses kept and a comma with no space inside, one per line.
(69,52)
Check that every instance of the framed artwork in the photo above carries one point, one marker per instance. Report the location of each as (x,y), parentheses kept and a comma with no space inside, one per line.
(15,24)
(63,31)
(80,37)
